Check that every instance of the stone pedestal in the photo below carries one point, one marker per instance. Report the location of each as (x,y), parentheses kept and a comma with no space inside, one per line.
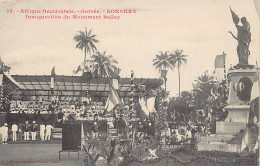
(241,81)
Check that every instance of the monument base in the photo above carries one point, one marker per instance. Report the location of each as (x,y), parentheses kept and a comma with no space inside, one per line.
(230,128)
(237,113)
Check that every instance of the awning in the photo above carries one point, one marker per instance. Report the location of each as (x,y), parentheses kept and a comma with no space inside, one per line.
(13,81)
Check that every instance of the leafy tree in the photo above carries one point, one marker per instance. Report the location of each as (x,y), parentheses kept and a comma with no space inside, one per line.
(86,41)
(162,62)
(177,58)
(103,64)
(181,106)
(202,90)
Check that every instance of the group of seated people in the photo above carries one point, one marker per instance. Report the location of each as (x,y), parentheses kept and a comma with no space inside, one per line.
(26,131)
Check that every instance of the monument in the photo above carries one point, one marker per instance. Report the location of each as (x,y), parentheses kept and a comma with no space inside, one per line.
(241,78)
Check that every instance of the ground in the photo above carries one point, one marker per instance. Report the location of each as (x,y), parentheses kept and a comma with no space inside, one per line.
(44,154)
(36,154)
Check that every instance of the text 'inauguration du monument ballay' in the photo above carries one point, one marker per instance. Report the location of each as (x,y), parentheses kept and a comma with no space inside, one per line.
(82,14)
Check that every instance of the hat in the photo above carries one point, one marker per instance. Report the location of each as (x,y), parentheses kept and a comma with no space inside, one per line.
(5,124)
(33,121)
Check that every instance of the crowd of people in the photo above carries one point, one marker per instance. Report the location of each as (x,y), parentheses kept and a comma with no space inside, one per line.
(179,133)
(26,131)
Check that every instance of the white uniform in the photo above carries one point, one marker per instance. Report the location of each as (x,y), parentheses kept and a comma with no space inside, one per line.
(48,132)
(14,131)
(188,135)
(42,130)
(178,136)
(4,133)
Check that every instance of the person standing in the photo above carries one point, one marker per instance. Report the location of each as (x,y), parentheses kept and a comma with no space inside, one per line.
(188,135)
(42,131)
(5,133)
(14,131)
(48,132)
(26,131)
(150,130)
(95,130)
(33,130)
(140,129)
(20,131)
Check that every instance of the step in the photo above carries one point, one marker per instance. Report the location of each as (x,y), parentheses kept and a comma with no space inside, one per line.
(57,135)
(219,146)
(216,138)
(57,130)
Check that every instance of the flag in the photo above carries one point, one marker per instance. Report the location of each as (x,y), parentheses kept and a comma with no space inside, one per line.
(6,68)
(244,143)
(254,100)
(143,104)
(113,98)
(257,6)
(53,72)
(78,70)
(147,105)
(219,72)
(52,80)
(256,146)
(115,83)
(220,61)
(150,104)
(234,17)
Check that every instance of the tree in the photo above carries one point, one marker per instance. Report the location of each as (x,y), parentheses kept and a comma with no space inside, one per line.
(182,105)
(103,64)
(177,58)
(162,62)
(202,89)
(86,40)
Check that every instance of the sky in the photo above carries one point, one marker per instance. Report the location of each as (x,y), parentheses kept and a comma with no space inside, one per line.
(198,27)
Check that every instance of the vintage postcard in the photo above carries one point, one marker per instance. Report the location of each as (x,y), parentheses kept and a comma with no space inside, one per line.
(133,82)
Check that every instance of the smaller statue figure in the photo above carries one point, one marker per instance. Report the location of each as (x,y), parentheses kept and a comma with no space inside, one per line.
(243,38)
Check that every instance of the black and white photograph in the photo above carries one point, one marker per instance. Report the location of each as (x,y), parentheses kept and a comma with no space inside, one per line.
(129,82)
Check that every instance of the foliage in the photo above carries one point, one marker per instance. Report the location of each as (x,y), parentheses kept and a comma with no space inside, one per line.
(86,40)
(202,90)
(177,58)
(181,105)
(162,61)
(104,65)
(99,148)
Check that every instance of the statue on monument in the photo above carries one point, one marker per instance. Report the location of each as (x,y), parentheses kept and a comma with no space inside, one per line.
(243,38)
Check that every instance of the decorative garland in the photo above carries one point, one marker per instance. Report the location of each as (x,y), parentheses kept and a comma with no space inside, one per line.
(192,160)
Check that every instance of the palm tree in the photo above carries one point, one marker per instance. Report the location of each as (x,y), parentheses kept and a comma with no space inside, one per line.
(104,65)
(162,62)
(86,40)
(177,58)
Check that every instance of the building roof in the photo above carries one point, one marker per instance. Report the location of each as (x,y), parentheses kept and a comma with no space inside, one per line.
(76,84)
